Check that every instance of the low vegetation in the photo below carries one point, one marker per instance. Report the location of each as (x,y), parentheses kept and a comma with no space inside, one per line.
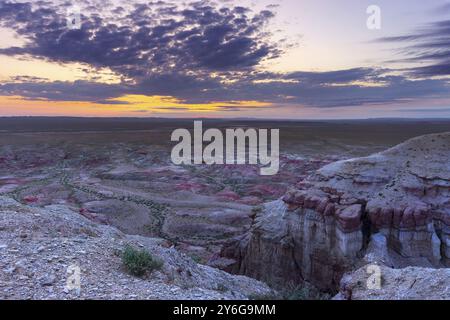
(139,262)
(293,292)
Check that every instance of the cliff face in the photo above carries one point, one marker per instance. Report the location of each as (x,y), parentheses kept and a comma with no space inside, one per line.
(395,203)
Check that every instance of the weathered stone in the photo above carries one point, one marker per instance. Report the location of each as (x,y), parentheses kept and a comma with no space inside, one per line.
(349,218)
(378,282)
(321,230)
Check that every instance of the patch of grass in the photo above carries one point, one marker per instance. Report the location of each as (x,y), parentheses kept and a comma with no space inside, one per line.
(88,232)
(292,292)
(196,258)
(305,293)
(139,262)
(256,210)
(222,287)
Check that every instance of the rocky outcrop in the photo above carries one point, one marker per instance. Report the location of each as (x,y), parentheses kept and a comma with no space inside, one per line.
(411,283)
(40,249)
(397,200)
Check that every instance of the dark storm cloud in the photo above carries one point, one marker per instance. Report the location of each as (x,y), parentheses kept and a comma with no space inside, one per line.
(324,89)
(199,52)
(149,38)
(314,91)
(429,45)
(335,77)
(427,110)
(332,91)
(63,91)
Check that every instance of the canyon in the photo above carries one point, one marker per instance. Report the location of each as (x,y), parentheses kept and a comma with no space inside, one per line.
(332,209)
(391,208)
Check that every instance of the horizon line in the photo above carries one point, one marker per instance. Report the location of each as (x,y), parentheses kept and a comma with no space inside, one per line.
(228,119)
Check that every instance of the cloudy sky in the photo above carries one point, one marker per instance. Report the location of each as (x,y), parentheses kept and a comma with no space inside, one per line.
(304,59)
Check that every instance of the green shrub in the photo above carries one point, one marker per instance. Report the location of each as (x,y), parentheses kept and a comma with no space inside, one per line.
(305,292)
(294,292)
(196,258)
(139,262)
(222,288)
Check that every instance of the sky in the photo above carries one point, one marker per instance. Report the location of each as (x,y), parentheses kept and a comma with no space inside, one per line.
(280,59)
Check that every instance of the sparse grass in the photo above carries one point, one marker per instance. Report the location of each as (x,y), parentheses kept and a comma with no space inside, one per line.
(139,262)
(292,292)
(256,210)
(222,287)
(196,258)
(89,232)
(305,293)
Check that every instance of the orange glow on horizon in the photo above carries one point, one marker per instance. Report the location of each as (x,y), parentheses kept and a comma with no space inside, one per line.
(127,105)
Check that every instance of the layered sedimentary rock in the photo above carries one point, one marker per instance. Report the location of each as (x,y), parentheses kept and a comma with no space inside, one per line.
(397,201)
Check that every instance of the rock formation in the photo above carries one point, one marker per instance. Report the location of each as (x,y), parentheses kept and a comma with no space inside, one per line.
(40,246)
(396,202)
(411,283)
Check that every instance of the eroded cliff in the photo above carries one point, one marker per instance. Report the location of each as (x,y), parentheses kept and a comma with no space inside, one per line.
(396,203)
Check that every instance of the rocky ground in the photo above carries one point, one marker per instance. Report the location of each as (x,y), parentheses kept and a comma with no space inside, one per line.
(40,247)
(411,283)
(139,191)
(127,180)
(76,197)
